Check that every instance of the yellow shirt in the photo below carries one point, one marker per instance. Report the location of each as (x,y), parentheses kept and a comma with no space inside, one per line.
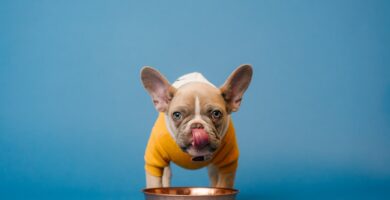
(162,149)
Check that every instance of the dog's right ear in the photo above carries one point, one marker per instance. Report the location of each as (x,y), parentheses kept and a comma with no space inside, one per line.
(158,87)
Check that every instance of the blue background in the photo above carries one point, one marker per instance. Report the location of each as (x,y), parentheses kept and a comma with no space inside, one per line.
(75,119)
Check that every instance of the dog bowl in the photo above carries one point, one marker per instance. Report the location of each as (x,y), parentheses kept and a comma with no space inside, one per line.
(190,193)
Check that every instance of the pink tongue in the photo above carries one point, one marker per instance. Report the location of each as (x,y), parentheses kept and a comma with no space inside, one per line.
(200,137)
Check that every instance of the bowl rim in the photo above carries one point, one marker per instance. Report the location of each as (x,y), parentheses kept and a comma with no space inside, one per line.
(145,191)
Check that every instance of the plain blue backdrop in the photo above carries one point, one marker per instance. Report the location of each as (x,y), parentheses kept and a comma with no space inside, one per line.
(75,119)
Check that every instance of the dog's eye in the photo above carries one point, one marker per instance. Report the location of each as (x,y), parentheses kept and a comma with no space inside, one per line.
(216,114)
(176,116)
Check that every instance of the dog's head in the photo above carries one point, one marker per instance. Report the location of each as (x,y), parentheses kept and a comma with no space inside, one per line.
(197,112)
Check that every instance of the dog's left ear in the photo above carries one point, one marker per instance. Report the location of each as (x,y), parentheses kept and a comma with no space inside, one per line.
(158,87)
(234,87)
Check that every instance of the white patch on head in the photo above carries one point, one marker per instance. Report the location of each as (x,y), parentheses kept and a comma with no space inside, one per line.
(197,108)
(197,117)
(191,77)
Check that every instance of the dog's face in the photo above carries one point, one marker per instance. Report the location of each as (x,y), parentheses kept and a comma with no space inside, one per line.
(198,118)
(197,113)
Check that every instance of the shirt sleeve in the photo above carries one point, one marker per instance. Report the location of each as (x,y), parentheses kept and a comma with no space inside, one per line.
(156,159)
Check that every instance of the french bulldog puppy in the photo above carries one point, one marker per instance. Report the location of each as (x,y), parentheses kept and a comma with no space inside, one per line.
(194,128)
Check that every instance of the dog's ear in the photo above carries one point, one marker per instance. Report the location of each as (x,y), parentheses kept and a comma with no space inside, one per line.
(158,87)
(234,87)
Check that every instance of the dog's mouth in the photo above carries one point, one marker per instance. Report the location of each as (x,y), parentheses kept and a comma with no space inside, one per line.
(200,138)
(199,143)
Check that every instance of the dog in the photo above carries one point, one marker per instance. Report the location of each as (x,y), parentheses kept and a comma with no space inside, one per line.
(194,128)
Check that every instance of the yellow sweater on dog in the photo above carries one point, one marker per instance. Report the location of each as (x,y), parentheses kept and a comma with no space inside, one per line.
(162,149)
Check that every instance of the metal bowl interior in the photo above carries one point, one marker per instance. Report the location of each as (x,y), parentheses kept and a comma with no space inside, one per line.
(169,193)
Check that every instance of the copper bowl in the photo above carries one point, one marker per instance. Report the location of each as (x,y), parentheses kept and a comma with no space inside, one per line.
(192,193)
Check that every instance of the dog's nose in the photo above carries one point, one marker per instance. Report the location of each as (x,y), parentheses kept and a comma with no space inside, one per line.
(196,125)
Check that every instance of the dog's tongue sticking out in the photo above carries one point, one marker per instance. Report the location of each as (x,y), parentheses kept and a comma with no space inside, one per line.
(200,138)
